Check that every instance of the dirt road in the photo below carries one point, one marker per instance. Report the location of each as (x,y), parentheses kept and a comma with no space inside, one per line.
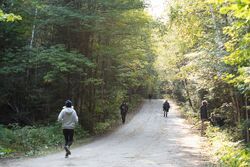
(147,140)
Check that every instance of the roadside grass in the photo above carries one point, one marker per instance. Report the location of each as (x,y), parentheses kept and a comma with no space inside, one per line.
(225,150)
(32,140)
(223,146)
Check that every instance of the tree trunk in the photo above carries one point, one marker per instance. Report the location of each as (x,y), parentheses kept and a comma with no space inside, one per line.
(218,38)
(247,118)
(238,108)
(235,106)
(33,31)
(188,94)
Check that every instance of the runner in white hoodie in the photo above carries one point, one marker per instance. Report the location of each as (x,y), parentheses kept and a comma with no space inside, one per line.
(69,119)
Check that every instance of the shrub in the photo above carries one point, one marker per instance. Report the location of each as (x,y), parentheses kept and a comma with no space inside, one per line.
(227,152)
(32,139)
(235,156)
(5,151)
(103,127)
(6,136)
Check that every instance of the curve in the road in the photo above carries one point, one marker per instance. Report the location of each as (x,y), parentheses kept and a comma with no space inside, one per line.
(148,140)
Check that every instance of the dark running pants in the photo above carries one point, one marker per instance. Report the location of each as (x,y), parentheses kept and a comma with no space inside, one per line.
(123,114)
(68,136)
(165,112)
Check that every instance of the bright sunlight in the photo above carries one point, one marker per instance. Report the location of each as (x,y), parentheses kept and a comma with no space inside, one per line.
(156,7)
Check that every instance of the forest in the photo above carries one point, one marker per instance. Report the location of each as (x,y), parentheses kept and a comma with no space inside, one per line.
(205,55)
(99,53)
(92,52)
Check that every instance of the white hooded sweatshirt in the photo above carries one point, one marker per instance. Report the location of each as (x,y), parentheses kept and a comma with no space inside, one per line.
(68,117)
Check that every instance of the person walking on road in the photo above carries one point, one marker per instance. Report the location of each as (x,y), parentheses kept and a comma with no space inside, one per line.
(203,115)
(166,107)
(150,96)
(68,117)
(124,110)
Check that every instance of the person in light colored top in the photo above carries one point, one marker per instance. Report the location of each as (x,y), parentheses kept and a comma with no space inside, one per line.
(68,117)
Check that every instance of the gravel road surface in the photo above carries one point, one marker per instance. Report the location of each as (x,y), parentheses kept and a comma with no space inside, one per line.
(147,140)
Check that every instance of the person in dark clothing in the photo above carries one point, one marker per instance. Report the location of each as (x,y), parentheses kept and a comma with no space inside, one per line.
(149,96)
(166,107)
(124,110)
(203,115)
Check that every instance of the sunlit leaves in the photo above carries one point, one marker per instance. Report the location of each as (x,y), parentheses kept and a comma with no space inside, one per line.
(10,17)
(239,9)
(238,44)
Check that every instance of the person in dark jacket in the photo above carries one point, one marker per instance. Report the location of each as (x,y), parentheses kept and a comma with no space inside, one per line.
(149,96)
(203,115)
(124,110)
(166,107)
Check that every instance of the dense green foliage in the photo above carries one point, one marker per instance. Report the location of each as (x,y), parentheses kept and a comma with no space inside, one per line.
(226,152)
(205,55)
(97,53)
(224,145)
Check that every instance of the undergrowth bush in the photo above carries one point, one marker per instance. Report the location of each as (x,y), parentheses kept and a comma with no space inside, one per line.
(32,139)
(103,127)
(227,147)
(227,152)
